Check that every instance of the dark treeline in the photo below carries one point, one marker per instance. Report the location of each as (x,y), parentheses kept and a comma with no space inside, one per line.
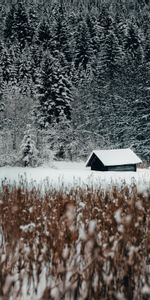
(74,75)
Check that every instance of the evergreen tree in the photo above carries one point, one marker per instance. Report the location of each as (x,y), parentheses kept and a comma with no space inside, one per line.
(44,35)
(54,92)
(28,155)
(21,24)
(9,26)
(120,27)
(83,51)
(21,69)
(35,57)
(147,45)
(6,66)
(105,19)
(132,43)
(33,22)
(133,67)
(17,25)
(110,57)
(61,34)
(95,33)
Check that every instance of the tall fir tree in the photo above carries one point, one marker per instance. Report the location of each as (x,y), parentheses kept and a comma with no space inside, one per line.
(53,93)
(132,42)
(95,33)
(105,19)
(44,37)
(17,27)
(83,50)
(9,26)
(6,65)
(21,24)
(33,23)
(61,33)
(147,44)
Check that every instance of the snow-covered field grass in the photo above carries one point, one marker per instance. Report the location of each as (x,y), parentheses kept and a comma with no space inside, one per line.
(66,175)
(80,244)
(87,237)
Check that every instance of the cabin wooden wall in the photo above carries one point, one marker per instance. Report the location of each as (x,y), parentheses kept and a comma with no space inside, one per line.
(127,168)
(96,165)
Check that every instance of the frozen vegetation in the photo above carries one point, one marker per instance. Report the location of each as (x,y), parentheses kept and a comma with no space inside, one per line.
(79,244)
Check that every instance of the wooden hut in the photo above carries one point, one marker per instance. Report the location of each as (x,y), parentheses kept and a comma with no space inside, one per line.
(113,160)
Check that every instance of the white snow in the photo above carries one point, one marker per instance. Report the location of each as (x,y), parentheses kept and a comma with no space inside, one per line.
(92,226)
(117,216)
(28,228)
(65,175)
(116,157)
(146,289)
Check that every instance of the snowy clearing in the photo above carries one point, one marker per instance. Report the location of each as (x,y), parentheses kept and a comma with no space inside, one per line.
(65,175)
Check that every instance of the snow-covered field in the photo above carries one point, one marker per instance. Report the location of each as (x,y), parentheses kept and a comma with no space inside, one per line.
(74,174)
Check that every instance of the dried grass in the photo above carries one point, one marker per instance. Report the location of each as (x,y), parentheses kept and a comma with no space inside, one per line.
(83,244)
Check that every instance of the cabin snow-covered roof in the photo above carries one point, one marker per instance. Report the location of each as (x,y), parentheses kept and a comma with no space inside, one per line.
(115,157)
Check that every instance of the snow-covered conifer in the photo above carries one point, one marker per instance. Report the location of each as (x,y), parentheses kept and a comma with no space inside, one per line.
(61,33)
(28,155)
(83,51)
(44,34)
(17,25)
(53,92)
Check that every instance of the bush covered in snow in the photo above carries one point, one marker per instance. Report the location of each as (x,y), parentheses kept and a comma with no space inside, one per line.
(83,244)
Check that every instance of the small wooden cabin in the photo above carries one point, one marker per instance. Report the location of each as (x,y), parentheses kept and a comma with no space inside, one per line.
(113,160)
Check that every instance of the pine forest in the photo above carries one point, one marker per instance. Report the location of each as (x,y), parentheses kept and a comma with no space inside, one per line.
(74,76)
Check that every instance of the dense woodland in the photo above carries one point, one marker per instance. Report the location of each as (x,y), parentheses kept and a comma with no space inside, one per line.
(74,75)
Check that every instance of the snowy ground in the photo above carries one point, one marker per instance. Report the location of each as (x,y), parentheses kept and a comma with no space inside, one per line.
(73,174)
